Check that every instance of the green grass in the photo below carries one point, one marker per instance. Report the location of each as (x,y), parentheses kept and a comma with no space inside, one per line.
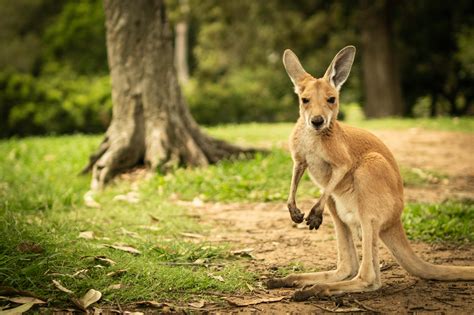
(41,207)
(451,221)
(264,178)
(462,124)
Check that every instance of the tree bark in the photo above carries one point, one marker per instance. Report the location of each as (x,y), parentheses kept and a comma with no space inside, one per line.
(151,123)
(383,94)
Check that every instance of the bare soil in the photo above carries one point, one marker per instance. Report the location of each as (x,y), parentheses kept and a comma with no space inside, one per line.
(275,242)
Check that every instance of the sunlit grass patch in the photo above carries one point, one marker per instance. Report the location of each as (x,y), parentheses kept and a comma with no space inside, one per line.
(420,177)
(462,124)
(263,178)
(452,221)
(42,215)
(36,249)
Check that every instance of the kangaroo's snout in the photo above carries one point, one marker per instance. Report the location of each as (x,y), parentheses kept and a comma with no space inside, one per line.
(317,122)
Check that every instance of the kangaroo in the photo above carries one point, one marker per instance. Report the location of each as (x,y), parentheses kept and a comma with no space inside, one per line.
(362,189)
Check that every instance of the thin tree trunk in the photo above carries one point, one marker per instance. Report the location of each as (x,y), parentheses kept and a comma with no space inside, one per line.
(383,96)
(151,122)
(181,51)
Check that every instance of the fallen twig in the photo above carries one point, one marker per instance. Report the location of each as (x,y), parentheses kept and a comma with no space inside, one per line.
(259,300)
(446,302)
(340,310)
(366,307)
(422,308)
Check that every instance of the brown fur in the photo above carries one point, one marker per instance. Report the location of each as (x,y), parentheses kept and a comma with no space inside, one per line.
(362,188)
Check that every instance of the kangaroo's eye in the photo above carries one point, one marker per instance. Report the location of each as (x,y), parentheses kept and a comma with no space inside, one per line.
(331,100)
(305,100)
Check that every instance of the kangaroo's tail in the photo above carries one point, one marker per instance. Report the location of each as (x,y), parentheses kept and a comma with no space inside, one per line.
(396,240)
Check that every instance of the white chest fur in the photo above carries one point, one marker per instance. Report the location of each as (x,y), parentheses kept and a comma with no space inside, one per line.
(316,159)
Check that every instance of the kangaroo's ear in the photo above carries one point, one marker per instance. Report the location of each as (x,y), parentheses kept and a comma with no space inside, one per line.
(340,67)
(293,67)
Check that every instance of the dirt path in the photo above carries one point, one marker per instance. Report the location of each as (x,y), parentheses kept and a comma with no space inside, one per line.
(446,153)
(276,242)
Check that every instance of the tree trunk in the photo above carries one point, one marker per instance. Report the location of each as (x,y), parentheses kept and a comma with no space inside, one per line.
(151,123)
(383,96)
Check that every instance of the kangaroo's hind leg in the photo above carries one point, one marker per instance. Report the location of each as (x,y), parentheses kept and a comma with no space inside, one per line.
(347,262)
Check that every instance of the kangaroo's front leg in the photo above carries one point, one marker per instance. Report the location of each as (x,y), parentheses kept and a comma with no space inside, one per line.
(315,216)
(298,170)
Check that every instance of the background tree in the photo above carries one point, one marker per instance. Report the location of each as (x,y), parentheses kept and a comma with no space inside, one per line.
(151,122)
(383,94)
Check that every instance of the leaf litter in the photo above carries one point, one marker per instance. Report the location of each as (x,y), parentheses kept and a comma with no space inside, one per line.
(23,299)
(18,310)
(60,287)
(124,248)
(88,235)
(89,298)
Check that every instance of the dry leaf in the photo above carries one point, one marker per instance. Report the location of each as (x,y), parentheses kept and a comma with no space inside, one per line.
(200,261)
(89,200)
(251,289)
(89,298)
(131,197)
(88,235)
(133,313)
(105,260)
(130,233)
(117,273)
(23,299)
(246,302)
(18,310)
(199,304)
(80,272)
(218,278)
(58,285)
(153,218)
(191,235)
(124,248)
(115,286)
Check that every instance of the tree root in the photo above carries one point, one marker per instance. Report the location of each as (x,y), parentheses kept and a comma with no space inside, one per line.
(119,152)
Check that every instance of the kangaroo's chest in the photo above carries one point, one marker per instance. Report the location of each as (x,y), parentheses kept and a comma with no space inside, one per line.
(319,169)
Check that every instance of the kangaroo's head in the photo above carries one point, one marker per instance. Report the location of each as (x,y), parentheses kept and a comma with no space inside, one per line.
(319,98)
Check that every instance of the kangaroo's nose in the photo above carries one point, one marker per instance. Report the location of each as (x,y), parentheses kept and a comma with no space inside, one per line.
(317,121)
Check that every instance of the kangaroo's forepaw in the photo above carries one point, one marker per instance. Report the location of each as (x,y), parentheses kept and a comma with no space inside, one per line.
(296,215)
(315,217)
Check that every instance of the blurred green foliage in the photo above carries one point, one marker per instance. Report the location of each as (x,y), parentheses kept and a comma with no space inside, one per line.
(57,104)
(53,61)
